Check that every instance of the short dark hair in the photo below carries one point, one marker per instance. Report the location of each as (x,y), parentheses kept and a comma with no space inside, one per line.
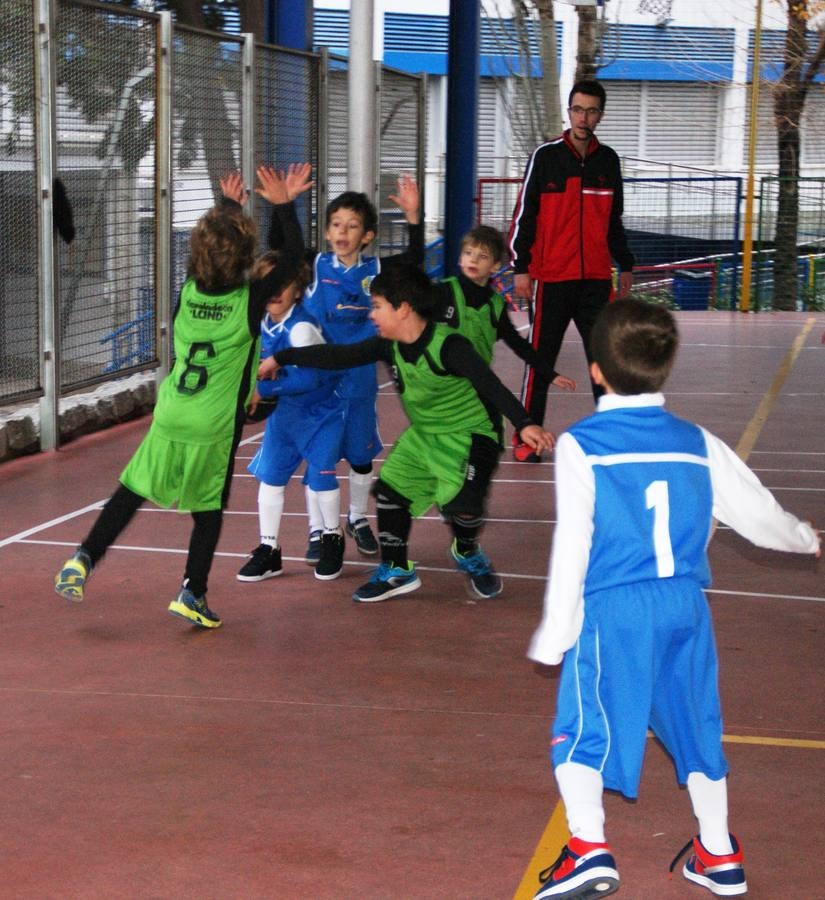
(491,239)
(592,88)
(404,283)
(634,344)
(359,203)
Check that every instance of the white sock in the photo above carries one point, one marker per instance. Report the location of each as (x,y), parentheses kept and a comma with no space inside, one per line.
(359,494)
(316,520)
(710,806)
(329,502)
(581,790)
(270,510)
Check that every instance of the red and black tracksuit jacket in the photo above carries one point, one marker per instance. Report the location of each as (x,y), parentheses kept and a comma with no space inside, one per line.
(568,219)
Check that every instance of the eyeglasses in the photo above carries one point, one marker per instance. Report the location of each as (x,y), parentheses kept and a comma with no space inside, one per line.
(581,111)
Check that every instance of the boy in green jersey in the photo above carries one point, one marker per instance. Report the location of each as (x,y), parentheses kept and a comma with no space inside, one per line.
(187,457)
(448,453)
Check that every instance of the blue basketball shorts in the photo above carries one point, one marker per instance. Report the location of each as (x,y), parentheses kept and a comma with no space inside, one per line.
(646,658)
(295,435)
(360,443)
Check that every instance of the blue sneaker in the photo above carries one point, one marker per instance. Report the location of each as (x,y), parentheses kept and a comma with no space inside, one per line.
(71,579)
(188,606)
(483,581)
(388,581)
(583,871)
(721,875)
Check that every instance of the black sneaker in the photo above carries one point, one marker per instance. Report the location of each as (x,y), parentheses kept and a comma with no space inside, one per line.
(332,556)
(313,553)
(264,563)
(361,533)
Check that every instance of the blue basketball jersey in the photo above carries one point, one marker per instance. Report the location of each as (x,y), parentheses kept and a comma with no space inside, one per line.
(652,482)
(339,298)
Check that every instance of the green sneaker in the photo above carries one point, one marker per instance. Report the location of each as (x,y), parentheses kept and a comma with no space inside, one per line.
(188,606)
(71,579)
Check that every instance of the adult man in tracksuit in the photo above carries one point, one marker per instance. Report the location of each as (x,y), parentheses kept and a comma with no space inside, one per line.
(566,228)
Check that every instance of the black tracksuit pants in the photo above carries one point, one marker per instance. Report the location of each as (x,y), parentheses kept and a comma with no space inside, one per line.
(557,305)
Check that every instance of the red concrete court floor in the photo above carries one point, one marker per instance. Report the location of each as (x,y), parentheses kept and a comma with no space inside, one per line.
(315,748)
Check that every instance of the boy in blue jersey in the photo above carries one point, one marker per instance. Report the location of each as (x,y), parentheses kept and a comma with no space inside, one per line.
(339,299)
(637,491)
(306,425)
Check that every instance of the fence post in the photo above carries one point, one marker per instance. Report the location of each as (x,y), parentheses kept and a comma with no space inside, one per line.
(163,200)
(45,128)
(421,174)
(247,150)
(322,175)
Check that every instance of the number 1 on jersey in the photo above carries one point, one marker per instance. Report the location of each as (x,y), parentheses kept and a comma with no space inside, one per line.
(658,500)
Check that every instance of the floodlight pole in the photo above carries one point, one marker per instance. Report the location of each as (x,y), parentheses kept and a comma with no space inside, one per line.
(361,162)
(747,245)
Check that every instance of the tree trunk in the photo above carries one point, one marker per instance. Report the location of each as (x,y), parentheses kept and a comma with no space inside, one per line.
(586,65)
(789,101)
(552,120)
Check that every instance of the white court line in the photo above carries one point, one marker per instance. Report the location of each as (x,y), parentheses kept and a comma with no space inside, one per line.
(370,565)
(15,538)
(768,596)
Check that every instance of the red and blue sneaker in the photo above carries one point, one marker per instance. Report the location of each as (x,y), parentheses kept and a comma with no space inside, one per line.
(721,875)
(583,871)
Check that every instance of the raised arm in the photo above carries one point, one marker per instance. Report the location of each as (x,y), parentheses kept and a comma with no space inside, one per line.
(408,201)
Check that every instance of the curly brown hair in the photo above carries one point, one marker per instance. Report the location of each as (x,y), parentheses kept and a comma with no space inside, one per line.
(221,248)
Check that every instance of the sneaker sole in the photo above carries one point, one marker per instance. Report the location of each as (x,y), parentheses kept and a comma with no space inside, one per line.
(591,889)
(331,577)
(721,890)
(312,562)
(406,588)
(263,577)
(69,592)
(183,612)
(473,591)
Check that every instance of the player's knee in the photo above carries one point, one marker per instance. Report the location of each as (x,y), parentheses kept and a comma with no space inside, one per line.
(388,497)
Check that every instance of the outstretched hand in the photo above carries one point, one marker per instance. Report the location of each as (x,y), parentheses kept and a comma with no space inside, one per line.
(278,186)
(271,185)
(232,187)
(268,368)
(407,199)
(297,179)
(537,438)
(563,383)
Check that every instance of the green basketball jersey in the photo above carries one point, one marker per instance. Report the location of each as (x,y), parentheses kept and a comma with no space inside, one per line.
(479,326)
(435,400)
(215,366)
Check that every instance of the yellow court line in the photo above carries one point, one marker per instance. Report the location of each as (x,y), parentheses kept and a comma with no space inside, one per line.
(754,427)
(556,834)
(548,848)
(802,743)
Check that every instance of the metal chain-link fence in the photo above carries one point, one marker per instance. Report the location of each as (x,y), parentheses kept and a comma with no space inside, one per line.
(287,101)
(19,275)
(138,119)
(105,69)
